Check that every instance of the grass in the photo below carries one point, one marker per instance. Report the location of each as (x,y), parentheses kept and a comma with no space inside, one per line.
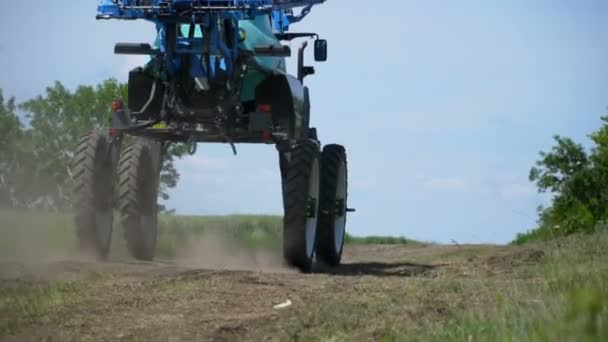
(548,233)
(553,290)
(254,232)
(30,302)
(251,231)
(22,229)
(380,240)
(565,298)
(537,235)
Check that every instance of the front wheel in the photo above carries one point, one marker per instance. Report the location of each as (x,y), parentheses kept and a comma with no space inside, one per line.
(301,202)
(333,206)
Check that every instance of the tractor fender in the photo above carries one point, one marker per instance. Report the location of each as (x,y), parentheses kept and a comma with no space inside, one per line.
(286,96)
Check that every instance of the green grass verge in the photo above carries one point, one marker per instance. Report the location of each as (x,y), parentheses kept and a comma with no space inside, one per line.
(547,233)
(563,298)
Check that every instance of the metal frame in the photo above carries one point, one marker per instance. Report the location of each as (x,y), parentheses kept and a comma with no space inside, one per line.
(218,21)
(166,14)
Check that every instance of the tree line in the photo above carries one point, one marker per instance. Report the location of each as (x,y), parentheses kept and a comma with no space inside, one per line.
(38,137)
(577,179)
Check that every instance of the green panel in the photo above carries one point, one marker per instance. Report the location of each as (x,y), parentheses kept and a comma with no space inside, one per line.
(251,81)
(259,33)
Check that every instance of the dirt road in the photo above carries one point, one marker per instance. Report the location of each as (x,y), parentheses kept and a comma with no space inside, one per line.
(378,289)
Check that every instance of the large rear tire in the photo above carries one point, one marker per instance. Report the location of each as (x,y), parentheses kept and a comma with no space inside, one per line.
(333,206)
(301,203)
(139,172)
(92,175)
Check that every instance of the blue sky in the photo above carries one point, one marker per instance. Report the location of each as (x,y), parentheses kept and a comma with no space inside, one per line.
(443,106)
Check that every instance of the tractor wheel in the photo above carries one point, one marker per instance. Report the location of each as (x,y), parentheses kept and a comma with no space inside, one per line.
(92,175)
(283,165)
(301,204)
(138,172)
(333,204)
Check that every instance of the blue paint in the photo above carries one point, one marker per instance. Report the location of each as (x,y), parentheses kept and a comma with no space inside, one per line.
(208,16)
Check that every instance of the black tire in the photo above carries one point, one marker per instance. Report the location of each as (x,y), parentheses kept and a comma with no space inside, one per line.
(301,202)
(332,208)
(283,165)
(138,173)
(92,175)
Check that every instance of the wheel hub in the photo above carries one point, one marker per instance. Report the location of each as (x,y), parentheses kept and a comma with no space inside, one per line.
(311,205)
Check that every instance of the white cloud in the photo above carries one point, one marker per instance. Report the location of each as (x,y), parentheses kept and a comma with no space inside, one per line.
(445,184)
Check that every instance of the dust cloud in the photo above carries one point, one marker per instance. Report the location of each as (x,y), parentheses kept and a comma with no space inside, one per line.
(216,252)
(30,249)
(34,246)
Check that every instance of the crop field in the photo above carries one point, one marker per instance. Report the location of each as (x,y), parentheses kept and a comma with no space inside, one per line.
(221,278)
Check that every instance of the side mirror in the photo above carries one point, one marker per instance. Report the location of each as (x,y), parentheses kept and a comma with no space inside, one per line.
(320,50)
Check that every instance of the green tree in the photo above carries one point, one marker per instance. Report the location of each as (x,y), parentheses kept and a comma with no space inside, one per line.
(10,136)
(169,174)
(578,181)
(569,174)
(57,119)
(599,159)
(555,169)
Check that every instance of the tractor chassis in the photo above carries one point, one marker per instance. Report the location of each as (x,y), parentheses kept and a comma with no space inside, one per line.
(314,183)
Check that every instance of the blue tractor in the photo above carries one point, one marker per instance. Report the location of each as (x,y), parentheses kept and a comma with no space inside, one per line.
(216,74)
